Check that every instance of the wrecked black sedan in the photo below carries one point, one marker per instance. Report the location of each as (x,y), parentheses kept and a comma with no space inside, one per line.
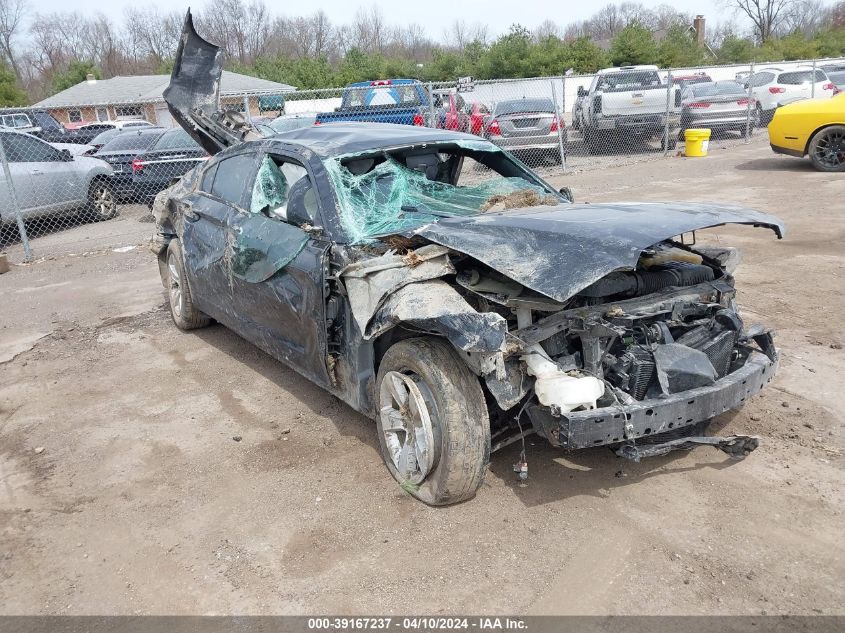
(435,284)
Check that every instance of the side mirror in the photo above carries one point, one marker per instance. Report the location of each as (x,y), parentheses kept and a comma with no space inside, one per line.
(566,192)
(582,92)
(65,155)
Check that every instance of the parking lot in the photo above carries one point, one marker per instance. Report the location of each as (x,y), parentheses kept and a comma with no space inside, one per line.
(144,470)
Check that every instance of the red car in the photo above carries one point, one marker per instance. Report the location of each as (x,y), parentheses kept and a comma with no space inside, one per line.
(451,111)
(478,115)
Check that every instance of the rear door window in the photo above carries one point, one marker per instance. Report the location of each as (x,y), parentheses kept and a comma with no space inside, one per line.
(25,149)
(761,79)
(175,139)
(231,178)
(208,178)
(796,78)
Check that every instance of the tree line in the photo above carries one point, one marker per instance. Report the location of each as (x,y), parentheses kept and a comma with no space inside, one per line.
(43,53)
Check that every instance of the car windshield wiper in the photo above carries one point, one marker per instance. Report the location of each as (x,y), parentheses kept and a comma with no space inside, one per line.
(410,208)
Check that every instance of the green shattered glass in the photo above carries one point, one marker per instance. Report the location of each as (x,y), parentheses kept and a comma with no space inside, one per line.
(270,189)
(263,246)
(391,198)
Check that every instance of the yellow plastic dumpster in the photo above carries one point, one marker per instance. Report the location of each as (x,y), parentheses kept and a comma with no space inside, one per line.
(697,141)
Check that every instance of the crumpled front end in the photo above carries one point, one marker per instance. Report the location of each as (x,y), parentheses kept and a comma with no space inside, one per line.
(639,353)
(667,363)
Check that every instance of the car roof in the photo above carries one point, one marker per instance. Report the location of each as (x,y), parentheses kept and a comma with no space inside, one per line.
(336,139)
(381,83)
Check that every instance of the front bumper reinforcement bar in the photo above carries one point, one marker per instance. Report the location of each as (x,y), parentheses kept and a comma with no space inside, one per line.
(737,446)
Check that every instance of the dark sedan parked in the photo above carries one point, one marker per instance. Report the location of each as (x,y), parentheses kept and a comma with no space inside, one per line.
(718,105)
(170,157)
(362,256)
(121,151)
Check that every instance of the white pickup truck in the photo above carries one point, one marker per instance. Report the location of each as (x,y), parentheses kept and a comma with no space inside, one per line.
(626,103)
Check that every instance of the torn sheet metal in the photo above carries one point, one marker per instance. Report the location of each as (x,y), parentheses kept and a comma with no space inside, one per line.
(435,306)
(559,251)
(194,82)
(680,368)
(369,282)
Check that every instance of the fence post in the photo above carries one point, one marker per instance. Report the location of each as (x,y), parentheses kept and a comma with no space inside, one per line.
(431,112)
(559,114)
(813,84)
(666,121)
(13,200)
(748,105)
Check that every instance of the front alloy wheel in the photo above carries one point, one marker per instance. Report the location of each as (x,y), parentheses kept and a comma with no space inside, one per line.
(433,425)
(101,201)
(405,423)
(175,283)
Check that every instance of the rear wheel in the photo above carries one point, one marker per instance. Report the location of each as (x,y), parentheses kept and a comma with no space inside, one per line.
(102,203)
(185,315)
(827,149)
(433,424)
(595,142)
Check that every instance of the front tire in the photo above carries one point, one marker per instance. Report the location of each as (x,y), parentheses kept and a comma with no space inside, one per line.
(185,315)
(827,149)
(102,203)
(433,425)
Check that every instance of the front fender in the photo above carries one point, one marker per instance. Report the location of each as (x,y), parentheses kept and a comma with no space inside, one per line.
(434,306)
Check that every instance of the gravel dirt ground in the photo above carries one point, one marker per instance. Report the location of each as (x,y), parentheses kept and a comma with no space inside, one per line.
(122,490)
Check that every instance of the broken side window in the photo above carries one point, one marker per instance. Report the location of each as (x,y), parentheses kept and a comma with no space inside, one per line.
(272,185)
(391,197)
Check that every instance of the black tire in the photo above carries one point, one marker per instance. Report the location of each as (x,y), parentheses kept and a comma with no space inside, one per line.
(827,149)
(102,202)
(460,425)
(673,143)
(764,117)
(594,142)
(185,315)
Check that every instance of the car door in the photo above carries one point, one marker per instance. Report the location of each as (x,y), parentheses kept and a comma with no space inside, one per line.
(25,155)
(277,268)
(205,234)
(760,84)
(21,182)
(57,181)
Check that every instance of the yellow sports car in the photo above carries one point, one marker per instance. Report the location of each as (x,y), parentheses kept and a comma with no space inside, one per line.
(815,127)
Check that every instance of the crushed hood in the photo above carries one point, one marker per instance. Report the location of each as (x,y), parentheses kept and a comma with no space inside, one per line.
(559,251)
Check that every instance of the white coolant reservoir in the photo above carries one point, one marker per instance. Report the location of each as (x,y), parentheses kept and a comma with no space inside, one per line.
(555,387)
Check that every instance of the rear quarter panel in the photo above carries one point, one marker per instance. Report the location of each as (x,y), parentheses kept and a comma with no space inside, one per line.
(794,125)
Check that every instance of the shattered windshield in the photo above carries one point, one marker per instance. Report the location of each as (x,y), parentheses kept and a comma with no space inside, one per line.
(379,195)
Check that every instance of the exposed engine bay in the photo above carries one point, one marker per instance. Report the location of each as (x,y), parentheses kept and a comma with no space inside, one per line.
(624,353)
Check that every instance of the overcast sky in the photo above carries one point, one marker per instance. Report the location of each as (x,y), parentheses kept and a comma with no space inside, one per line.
(434,15)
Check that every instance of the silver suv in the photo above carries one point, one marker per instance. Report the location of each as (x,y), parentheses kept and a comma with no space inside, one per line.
(49,181)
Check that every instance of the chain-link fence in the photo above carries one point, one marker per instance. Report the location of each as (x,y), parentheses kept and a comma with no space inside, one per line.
(83,178)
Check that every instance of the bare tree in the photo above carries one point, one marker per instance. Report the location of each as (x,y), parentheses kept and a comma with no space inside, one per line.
(12,14)
(242,30)
(460,33)
(547,28)
(151,37)
(368,31)
(837,15)
(807,16)
(765,15)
